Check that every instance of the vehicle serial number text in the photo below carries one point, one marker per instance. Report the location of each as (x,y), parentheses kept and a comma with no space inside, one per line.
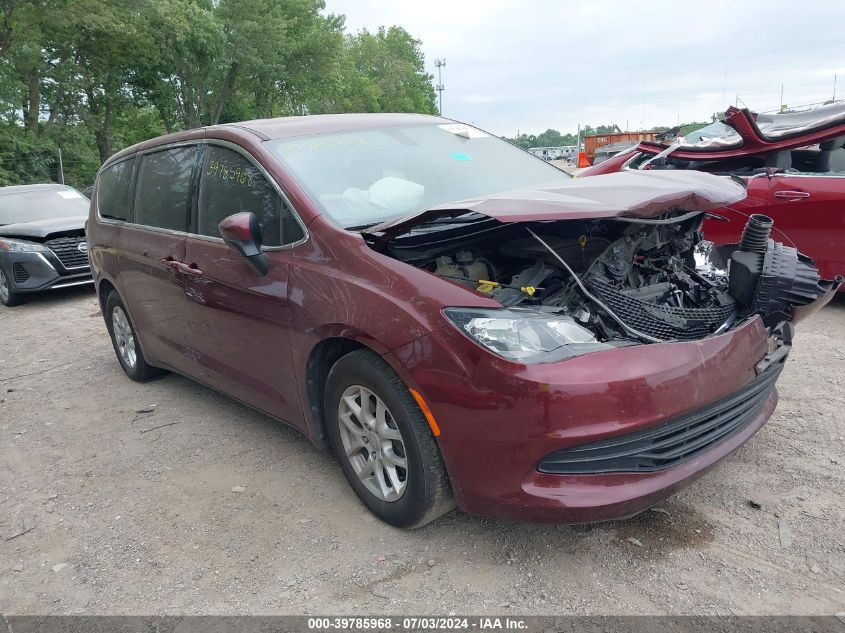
(416,624)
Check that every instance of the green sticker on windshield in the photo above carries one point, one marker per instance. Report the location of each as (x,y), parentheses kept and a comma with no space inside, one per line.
(460,156)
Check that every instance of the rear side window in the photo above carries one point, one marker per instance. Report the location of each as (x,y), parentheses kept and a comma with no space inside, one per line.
(823,159)
(164,188)
(113,190)
(230,184)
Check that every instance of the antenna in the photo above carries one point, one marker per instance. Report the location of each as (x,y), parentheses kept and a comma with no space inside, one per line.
(440,63)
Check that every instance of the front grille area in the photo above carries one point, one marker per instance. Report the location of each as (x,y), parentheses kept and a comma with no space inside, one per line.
(670,443)
(19,273)
(67,250)
(666,323)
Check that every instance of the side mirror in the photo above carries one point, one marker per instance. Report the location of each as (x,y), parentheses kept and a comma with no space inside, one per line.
(242,232)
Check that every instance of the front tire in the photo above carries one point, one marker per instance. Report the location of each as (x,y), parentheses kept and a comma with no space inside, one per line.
(383,442)
(125,341)
(8,297)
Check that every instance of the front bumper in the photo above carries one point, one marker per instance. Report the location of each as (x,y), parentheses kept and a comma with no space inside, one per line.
(499,420)
(34,272)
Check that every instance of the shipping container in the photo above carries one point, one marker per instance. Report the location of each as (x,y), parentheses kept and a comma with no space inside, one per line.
(593,142)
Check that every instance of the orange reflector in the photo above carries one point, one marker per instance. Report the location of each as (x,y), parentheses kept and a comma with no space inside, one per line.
(426,412)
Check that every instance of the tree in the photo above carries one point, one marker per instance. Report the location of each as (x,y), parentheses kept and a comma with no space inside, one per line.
(549,138)
(100,63)
(16,16)
(89,77)
(589,130)
(385,72)
(182,60)
(261,57)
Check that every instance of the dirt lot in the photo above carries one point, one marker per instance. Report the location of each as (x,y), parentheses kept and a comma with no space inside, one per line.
(102,512)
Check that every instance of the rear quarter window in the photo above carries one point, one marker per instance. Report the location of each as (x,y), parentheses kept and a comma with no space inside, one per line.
(113,199)
(164,188)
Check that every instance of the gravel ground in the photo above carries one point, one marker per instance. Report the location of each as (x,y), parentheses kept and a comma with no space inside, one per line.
(201,505)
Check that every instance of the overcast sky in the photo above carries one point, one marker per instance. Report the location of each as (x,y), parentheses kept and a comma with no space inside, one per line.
(537,64)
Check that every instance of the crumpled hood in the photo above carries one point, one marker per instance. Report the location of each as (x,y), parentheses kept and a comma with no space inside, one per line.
(640,194)
(43,228)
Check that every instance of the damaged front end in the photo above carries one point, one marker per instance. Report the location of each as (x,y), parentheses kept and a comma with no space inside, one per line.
(570,287)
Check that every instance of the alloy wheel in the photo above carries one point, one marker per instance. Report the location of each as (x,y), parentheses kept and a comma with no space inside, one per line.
(124,339)
(373,443)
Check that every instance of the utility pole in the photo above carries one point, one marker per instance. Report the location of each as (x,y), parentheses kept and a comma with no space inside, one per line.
(61,167)
(440,63)
(578,143)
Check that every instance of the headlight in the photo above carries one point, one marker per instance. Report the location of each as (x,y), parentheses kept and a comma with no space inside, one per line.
(20,246)
(525,336)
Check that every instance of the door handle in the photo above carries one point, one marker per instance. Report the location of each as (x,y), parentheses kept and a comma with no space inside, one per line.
(181,267)
(791,195)
(191,270)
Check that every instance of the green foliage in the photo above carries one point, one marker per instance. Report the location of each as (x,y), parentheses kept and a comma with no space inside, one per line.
(90,77)
(375,72)
(549,138)
(589,130)
(391,63)
(686,128)
(25,158)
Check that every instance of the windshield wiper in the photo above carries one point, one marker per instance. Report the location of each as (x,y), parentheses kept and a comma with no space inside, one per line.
(362,227)
(471,216)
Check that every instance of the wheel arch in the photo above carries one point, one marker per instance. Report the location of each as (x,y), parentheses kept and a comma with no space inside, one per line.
(321,359)
(325,346)
(104,287)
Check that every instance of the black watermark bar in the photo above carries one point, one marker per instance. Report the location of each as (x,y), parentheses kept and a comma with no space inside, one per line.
(411,623)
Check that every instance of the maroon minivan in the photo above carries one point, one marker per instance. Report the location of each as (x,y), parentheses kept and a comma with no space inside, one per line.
(459,321)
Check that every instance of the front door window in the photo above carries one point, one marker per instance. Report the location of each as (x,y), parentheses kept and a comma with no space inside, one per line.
(231,184)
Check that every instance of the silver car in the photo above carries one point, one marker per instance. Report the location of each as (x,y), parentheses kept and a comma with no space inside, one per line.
(42,240)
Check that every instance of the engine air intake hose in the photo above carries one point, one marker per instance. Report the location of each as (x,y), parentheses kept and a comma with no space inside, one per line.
(767,276)
(755,235)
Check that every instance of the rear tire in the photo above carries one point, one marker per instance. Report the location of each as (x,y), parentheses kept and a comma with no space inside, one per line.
(383,443)
(8,297)
(125,341)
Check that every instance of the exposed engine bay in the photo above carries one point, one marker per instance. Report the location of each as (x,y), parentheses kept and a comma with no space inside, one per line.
(620,281)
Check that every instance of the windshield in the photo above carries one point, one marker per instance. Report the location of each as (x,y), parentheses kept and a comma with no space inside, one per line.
(368,176)
(41,204)
(717,133)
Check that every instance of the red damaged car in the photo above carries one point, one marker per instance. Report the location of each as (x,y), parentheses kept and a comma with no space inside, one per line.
(792,164)
(458,321)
